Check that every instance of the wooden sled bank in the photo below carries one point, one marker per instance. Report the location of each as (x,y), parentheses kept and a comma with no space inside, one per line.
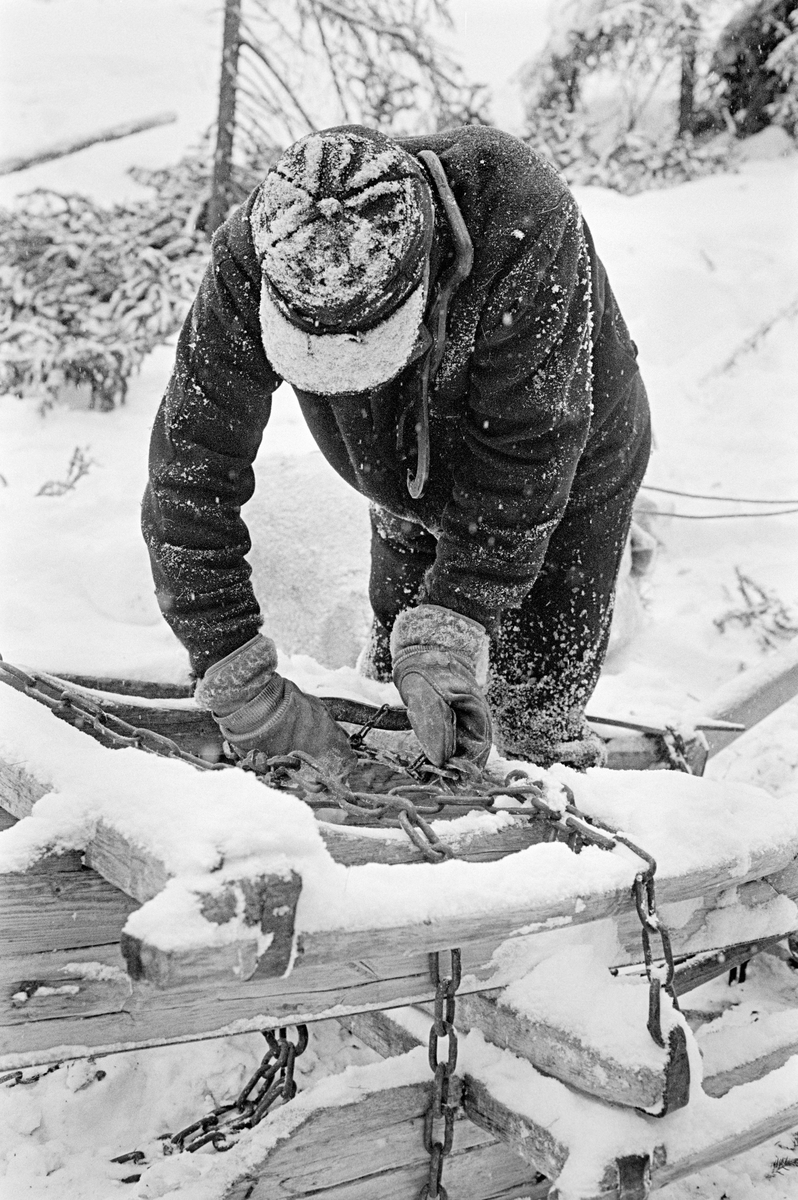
(542,1103)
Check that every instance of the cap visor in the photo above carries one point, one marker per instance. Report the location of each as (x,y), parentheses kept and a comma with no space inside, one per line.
(331,364)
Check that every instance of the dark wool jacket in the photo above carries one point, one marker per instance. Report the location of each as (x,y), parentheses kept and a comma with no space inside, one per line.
(537,399)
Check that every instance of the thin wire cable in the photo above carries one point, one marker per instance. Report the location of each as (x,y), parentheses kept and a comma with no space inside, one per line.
(649,487)
(779,512)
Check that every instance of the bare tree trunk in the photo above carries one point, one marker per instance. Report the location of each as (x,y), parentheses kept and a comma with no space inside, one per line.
(687,89)
(223,157)
(687,83)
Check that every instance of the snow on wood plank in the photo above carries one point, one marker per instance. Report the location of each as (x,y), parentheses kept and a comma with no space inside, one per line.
(747,698)
(115,1011)
(576,1140)
(479,837)
(751,912)
(733,1056)
(571,1055)
(707,1131)
(331,1156)
(323,1145)
(221,835)
(659,1081)
(538,1142)
(753,694)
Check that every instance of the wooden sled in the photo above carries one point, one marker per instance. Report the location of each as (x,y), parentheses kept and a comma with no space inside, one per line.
(544,1105)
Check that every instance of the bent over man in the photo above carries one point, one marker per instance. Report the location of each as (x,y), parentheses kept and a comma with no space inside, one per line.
(458,354)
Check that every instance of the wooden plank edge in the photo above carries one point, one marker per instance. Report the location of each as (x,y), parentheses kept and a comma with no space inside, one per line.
(753,695)
(562,1054)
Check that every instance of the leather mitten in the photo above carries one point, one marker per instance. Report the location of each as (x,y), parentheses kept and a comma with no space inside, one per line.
(257,709)
(440,661)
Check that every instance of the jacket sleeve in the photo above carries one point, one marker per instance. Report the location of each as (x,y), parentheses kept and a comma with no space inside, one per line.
(526,425)
(204,441)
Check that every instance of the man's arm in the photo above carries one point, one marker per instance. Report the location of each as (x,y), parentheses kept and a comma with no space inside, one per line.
(528,420)
(204,441)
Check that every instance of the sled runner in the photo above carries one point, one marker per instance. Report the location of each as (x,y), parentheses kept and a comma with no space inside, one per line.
(148,902)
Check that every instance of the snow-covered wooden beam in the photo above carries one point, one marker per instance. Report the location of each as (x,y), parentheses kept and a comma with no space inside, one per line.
(266,901)
(249,891)
(617,1062)
(626,1068)
(359,1134)
(65,989)
(576,1140)
(744,700)
(535,1116)
(717,915)
(747,699)
(137,871)
(753,695)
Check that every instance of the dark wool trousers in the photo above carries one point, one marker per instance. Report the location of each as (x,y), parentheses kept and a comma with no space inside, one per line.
(548,654)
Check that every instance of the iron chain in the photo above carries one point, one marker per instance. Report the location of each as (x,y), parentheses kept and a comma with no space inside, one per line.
(651,925)
(90,716)
(428,789)
(272,1081)
(443,1106)
(676,750)
(577,830)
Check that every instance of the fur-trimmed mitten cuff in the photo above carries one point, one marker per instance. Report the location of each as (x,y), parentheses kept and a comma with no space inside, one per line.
(432,627)
(238,677)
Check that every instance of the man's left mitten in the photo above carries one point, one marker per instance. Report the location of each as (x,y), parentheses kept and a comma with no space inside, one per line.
(257,709)
(440,666)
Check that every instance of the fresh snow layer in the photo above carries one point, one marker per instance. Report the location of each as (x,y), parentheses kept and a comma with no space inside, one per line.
(613,1023)
(60,1134)
(215,827)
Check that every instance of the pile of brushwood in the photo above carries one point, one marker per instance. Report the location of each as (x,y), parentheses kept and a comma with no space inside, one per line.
(633,161)
(87,291)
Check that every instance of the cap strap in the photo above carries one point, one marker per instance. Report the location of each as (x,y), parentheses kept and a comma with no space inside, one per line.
(459,270)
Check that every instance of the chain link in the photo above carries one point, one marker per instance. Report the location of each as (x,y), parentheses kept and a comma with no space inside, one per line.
(272,1081)
(20,1079)
(577,830)
(676,750)
(651,924)
(443,1106)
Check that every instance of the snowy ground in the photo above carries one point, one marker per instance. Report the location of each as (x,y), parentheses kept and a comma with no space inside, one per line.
(700,271)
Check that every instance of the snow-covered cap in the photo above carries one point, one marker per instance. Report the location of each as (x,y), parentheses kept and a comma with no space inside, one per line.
(342,227)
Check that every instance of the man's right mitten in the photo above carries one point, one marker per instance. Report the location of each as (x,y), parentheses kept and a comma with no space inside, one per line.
(440,661)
